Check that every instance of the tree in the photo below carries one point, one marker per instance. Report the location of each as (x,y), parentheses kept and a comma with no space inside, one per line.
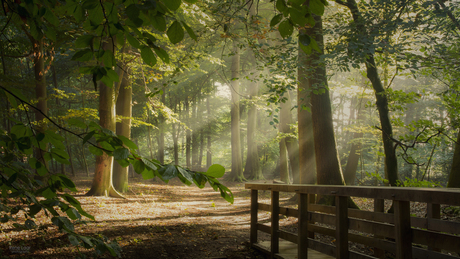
(237,164)
(123,128)
(391,162)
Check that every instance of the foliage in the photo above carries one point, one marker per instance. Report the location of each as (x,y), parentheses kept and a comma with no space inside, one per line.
(418,183)
(25,177)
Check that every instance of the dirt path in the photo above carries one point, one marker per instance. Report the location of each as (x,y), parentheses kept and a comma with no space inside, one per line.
(155,221)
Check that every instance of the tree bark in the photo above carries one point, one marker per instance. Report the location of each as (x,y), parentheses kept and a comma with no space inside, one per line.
(307,163)
(102,181)
(454,176)
(237,165)
(208,134)
(391,162)
(123,128)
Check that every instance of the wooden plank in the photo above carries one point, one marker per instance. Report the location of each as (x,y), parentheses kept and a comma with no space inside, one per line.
(293,238)
(436,225)
(275,218)
(288,250)
(303,227)
(254,212)
(437,240)
(264,228)
(403,229)
(449,196)
(341,227)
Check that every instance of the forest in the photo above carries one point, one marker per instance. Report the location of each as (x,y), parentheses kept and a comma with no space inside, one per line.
(100,97)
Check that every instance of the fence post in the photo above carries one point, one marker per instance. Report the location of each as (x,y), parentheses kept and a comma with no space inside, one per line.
(379,206)
(341,227)
(403,230)
(433,212)
(275,211)
(302,241)
(254,212)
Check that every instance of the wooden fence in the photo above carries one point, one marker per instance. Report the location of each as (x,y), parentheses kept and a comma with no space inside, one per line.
(401,234)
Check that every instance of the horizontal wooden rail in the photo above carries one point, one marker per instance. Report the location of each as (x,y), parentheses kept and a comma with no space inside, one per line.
(398,233)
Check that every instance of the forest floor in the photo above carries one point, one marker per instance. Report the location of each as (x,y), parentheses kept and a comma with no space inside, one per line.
(161,221)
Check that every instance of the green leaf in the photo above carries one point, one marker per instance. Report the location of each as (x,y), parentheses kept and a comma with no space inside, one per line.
(60,159)
(276,19)
(304,39)
(12,100)
(133,41)
(73,240)
(162,54)
(159,22)
(109,61)
(72,201)
(133,14)
(139,166)
(286,28)
(90,4)
(186,175)
(96,151)
(77,122)
(88,136)
(168,172)
(50,17)
(191,1)
(148,56)
(83,55)
(73,214)
(84,41)
(298,17)
(148,174)
(175,32)
(200,180)
(128,142)
(189,31)
(12,179)
(149,164)
(281,5)
(34,209)
(315,46)
(68,183)
(121,153)
(30,224)
(48,193)
(317,7)
(60,152)
(50,32)
(216,171)
(112,74)
(297,2)
(172,5)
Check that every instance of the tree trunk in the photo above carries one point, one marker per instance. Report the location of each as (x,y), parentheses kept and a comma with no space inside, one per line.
(252,167)
(391,162)
(307,166)
(208,140)
(188,134)
(355,151)
(454,176)
(284,166)
(291,142)
(102,181)
(123,128)
(237,164)
(161,132)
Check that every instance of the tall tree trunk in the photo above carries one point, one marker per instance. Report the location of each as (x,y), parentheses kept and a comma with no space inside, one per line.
(161,132)
(454,176)
(307,163)
(123,128)
(208,134)
(102,181)
(188,134)
(252,167)
(391,162)
(291,142)
(284,165)
(40,91)
(355,151)
(175,128)
(327,162)
(237,163)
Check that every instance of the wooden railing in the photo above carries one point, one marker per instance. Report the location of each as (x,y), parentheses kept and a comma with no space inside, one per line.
(400,234)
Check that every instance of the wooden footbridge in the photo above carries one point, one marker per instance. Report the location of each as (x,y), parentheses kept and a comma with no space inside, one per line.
(397,235)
